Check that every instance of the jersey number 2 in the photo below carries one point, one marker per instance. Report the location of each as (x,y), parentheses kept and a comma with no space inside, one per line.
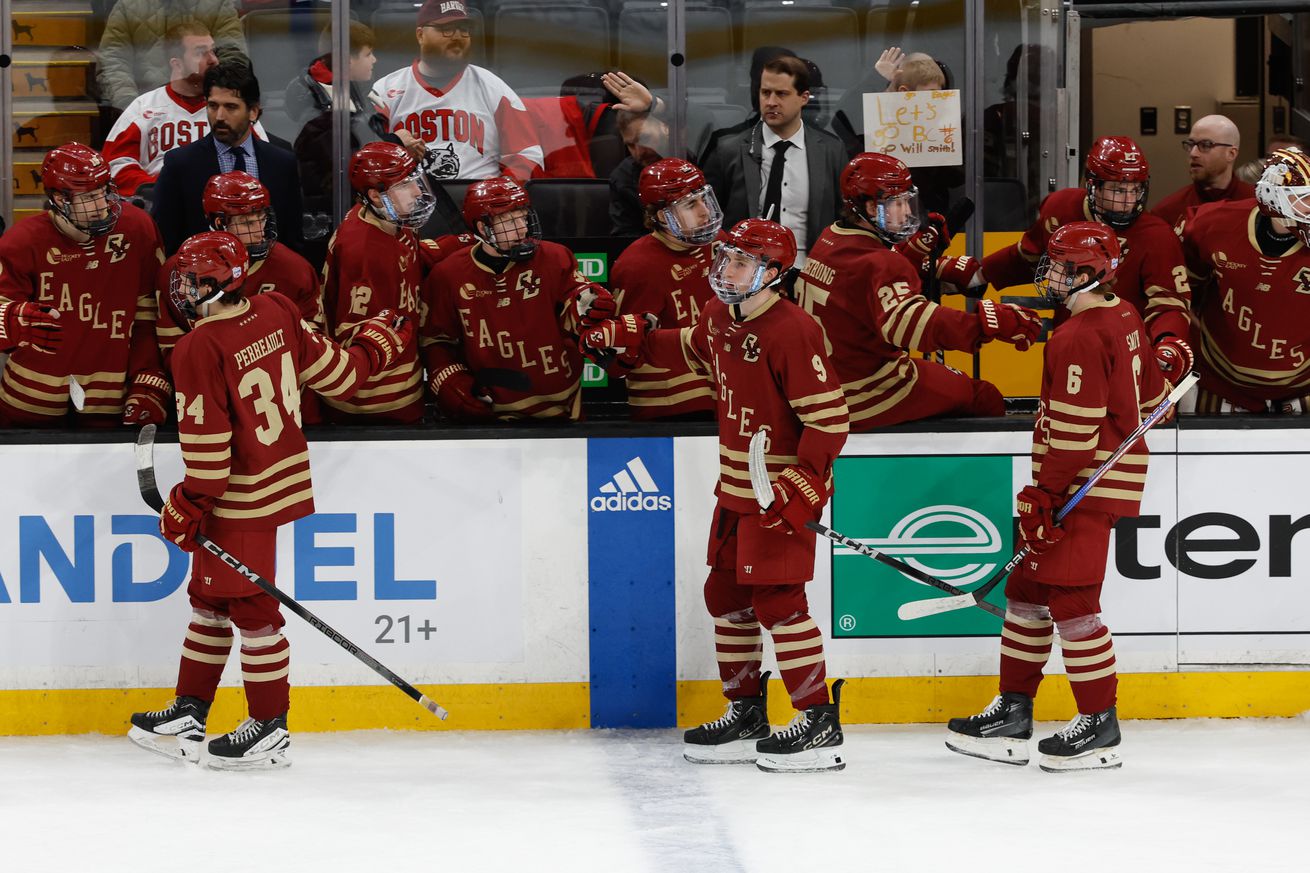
(258,383)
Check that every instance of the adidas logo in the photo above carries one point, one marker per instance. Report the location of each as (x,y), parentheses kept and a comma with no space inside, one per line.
(631,488)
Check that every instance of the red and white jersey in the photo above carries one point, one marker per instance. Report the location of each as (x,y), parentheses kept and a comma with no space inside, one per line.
(477,113)
(1252,331)
(1152,276)
(867,299)
(152,124)
(524,318)
(660,275)
(237,377)
(1099,380)
(770,373)
(105,293)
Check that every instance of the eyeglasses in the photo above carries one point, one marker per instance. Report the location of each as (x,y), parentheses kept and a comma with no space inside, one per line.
(1204,145)
(449,30)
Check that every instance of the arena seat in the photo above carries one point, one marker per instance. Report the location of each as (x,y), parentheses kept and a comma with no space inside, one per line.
(536,46)
(1005,205)
(642,34)
(937,30)
(282,43)
(827,35)
(570,208)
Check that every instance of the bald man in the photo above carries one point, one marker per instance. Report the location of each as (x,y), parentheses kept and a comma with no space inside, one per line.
(1211,151)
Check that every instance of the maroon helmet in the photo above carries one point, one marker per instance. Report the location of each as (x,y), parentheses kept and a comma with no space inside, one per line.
(1116,159)
(74,169)
(886,181)
(766,243)
(207,266)
(405,196)
(230,194)
(487,199)
(1080,256)
(683,202)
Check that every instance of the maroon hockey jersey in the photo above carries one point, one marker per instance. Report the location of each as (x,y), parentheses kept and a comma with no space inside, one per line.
(1173,209)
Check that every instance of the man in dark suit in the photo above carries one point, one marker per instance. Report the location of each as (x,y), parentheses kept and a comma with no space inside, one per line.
(780,168)
(232,101)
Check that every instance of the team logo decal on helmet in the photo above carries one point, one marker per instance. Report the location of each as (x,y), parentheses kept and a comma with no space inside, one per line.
(752,248)
(683,202)
(208,265)
(1080,256)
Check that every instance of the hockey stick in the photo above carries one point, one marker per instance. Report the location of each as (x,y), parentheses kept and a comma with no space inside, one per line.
(764,497)
(145,480)
(937,605)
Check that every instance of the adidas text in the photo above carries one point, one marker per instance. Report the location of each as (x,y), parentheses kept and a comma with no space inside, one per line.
(635,502)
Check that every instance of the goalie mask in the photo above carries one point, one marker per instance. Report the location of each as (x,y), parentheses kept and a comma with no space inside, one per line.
(208,266)
(742,263)
(500,214)
(883,180)
(238,203)
(1283,191)
(682,201)
(1081,256)
(87,198)
(404,195)
(1118,181)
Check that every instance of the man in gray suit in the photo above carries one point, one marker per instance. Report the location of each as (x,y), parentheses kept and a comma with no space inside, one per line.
(780,168)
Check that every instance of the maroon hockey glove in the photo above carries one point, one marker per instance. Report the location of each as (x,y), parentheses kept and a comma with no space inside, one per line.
(926,239)
(385,337)
(1008,323)
(147,402)
(1174,357)
(29,324)
(453,387)
(180,519)
(624,334)
(798,496)
(963,275)
(1037,510)
(595,305)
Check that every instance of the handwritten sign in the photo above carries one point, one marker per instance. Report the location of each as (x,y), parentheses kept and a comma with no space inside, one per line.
(922,128)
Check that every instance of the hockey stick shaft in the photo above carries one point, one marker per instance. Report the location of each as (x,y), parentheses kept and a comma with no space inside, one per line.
(145,471)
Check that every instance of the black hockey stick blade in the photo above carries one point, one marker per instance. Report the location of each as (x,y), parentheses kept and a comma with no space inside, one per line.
(503,377)
(145,480)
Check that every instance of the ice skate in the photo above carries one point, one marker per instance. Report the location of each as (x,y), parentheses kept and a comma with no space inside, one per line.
(1088,742)
(812,743)
(177,731)
(999,733)
(258,744)
(731,739)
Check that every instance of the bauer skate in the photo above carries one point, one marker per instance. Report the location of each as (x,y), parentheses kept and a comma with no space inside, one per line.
(177,731)
(999,733)
(1088,742)
(257,744)
(812,743)
(732,738)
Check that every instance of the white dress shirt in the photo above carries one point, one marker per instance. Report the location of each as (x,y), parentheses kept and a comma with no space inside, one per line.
(795,185)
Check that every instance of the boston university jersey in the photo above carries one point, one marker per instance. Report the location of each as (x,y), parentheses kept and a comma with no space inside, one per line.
(771,373)
(524,318)
(282,271)
(660,275)
(1099,379)
(105,293)
(867,300)
(477,114)
(152,124)
(237,377)
(1152,276)
(1252,333)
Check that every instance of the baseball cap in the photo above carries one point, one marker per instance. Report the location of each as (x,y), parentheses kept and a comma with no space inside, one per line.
(442,12)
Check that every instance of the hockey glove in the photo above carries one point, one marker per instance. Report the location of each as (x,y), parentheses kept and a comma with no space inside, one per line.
(148,401)
(934,236)
(1016,325)
(1037,510)
(595,305)
(180,519)
(1174,357)
(624,334)
(963,275)
(798,496)
(454,390)
(384,337)
(29,324)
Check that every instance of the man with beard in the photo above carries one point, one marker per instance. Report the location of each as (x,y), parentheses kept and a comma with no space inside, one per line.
(1211,148)
(232,104)
(442,99)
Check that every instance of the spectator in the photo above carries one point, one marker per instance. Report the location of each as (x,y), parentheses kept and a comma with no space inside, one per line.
(133,56)
(170,116)
(646,137)
(232,101)
(753,175)
(309,95)
(443,99)
(1251,171)
(1211,148)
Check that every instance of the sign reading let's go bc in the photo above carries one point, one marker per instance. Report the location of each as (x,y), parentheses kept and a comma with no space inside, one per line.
(951,517)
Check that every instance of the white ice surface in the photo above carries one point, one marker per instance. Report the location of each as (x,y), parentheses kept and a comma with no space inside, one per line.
(1201,795)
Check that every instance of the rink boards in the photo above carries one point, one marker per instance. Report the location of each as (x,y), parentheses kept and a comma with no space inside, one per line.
(555,582)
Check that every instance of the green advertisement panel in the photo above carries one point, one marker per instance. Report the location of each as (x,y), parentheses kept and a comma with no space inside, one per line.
(950,516)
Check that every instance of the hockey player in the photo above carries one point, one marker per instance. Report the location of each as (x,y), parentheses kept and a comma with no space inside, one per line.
(866,297)
(238,203)
(1253,262)
(91,259)
(667,273)
(766,357)
(512,301)
(1098,381)
(375,262)
(238,372)
(1152,276)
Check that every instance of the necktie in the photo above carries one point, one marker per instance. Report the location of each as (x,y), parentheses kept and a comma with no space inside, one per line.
(238,160)
(772,209)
